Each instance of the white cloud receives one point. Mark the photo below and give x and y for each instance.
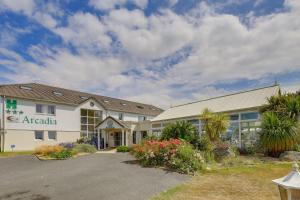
(25, 6)
(84, 29)
(223, 50)
(151, 38)
(111, 4)
(291, 87)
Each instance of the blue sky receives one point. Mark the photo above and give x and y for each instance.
(153, 51)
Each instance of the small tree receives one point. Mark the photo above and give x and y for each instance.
(278, 134)
(180, 130)
(280, 127)
(214, 124)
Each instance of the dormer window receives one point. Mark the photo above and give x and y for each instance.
(106, 101)
(57, 93)
(140, 107)
(25, 87)
(153, 109)
(123, 104)
(83, 97)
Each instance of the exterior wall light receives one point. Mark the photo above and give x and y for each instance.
(289, 186)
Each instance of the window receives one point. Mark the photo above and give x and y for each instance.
(39, 135)
(51, 110)
(39, 108)
(83, 97)
(234, 117)
(57, 93)
(144, 134)
(156, 125)
(89, 119)
(123, 104)
(134, 137)
(249, 116)
(52, 135)
(25, 87)
(140, 107)
(193, 121)
(121, 116)
(142, 118)
(106, 101)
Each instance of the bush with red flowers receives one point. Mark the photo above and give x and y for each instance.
(173, 153)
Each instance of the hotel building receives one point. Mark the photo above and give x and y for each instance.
(35, 114)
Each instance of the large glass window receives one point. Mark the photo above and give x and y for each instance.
(196, 123)
(249, 133)
(232, 133)
(249, 116)
(89, 120)
(234, 117)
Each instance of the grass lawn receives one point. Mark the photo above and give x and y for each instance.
(245, 181)
(15, 153)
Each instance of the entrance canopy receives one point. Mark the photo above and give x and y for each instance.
(112, 123)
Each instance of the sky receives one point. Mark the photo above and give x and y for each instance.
(161, 52)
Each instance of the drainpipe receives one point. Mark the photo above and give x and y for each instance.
(2, 131)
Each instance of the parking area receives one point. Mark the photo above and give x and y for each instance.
(96, 176)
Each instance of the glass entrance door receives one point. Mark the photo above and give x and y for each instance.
(118, 139)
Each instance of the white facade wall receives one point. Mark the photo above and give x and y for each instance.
(127, 116)
(21, 126)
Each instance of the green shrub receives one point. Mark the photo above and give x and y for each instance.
(204, 144)
(84, 148)
(278, 134)
(64, 154)
(247, 150)
(173, 154)
(208, 156)
(186, 160)
(123, 149)
(180, 130)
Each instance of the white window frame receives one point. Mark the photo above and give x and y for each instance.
(55, 135)
(43, 134)
(54, 109)
(42, 108)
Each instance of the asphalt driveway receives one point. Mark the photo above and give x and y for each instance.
(97, 176)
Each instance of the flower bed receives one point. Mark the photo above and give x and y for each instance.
(63, 151)
(173, 154)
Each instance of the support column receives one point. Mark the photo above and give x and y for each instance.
(123, 137)
(104, 138)
(98, 137)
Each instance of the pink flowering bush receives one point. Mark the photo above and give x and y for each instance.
(172, 153)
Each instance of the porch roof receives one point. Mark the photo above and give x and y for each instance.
(121, 123)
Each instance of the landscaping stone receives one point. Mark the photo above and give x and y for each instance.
(290, 156)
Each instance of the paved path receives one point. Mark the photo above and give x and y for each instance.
(97, 176)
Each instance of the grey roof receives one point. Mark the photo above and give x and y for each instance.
(43, 92)
(232, 102)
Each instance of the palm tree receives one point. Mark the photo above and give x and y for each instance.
(214, 124)
(278, 134)
(180, 130)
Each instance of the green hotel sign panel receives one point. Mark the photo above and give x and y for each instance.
(11, 104)
(15, 116)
